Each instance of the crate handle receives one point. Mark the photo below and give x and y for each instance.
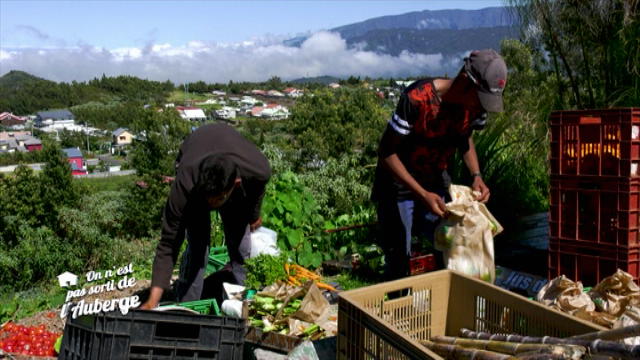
(398, 294)
(176, 330)
(587, 120)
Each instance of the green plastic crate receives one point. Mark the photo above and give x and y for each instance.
(204, 307)
(218, 258)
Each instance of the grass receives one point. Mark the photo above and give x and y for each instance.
(179, 97)
(110, 183)
(350, 281)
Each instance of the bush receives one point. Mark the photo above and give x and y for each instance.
(290, 210)
(340, 185)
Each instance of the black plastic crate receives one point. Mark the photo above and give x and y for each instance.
(154, 335)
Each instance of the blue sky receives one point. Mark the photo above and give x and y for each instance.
(193, 40)
(120, 23)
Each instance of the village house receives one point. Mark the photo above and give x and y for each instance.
(259, 92)
(256, 111)
(275, 112)
(122, 136)
(248, 101)
(191, 113)
(21, 141)
(334, 85)
(275, 93)
(75, 159)
(219, 93)
(226, 113)
(293, 92)
(56, 118)
(7, 119)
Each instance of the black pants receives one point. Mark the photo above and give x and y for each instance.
(398, 222)
(196, 257)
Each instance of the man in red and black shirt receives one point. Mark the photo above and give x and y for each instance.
(434, 118)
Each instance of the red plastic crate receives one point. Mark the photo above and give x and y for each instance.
(595, 210)
(596, 142)
(588, 263)
(420, 264)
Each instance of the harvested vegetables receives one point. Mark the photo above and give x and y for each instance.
(264, 312)
(27, 340)
(298, 275)
(264, 270)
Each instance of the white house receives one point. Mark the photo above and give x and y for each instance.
(275, 112)
(226, 113)
(62, 117)
(275, 93)
(218, 93)
(334, 85)
(248, 101)
(293, 92)
(67, 279)
(191, 113)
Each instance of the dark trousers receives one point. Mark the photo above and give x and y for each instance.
(196, 257)
(399, 221)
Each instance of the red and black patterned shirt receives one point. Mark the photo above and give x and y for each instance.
(425, 134)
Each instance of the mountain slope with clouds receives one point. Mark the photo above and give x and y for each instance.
(323, 53)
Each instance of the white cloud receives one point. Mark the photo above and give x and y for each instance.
(323, 53)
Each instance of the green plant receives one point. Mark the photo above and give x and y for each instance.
(264, 270)
(291, 211)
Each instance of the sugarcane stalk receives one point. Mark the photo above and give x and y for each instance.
(538, 356)
(596, 347)
(565, 351)
(459, 353)
(615, 334)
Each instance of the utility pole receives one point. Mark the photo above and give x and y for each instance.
(86, 131)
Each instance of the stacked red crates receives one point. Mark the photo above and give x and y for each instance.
(595, 194)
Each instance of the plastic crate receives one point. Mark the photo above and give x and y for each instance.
(204, 307)
(218, 258)
(421, 264)
(590, 264)
(592, 210)
(145, 334)
(370, 326)
(595, 142)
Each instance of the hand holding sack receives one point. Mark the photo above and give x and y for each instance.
(466, 236)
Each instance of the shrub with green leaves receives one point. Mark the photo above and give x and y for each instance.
(292, 212)
(264, 270)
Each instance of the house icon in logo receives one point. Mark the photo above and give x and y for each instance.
(67, 279)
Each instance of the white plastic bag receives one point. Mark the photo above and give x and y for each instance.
(264, 241)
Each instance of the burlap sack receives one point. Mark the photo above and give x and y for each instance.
(614, 293)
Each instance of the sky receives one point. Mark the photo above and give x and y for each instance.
(214, 41)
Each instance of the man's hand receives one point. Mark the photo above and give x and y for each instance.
(154, 298)
(256, 224)
(434, 202)
(479, 185)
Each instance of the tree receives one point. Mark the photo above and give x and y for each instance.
(591, 47)
(56, 182)
(153, 157)
(332, 123)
